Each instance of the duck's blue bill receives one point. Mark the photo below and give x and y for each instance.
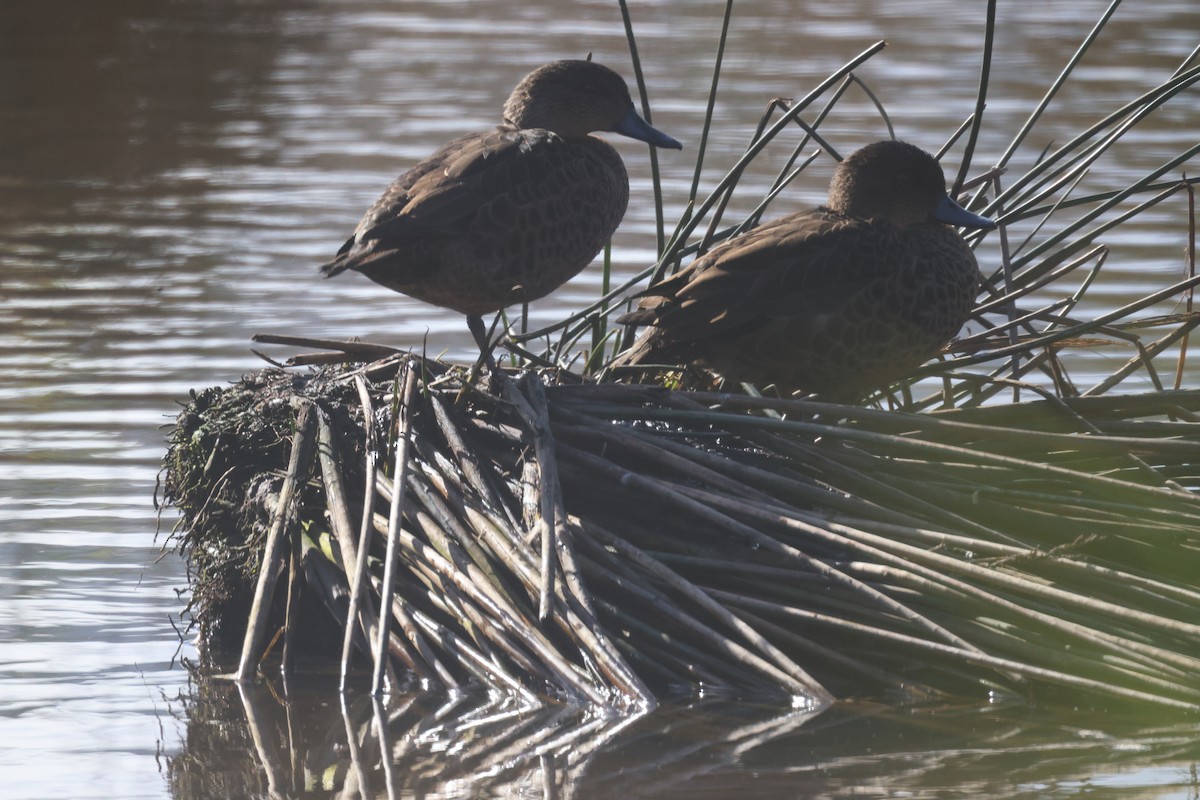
(952, 213)
(635, 127)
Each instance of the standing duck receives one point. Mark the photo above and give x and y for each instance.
(838, 300)
(507, 215)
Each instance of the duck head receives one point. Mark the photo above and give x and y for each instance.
(898, 182)
(575, 98)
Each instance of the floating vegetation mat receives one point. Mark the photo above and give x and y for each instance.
(608, 543)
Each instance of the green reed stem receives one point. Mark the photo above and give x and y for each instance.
(980, 99)
(655, 176)
(712, 102)
(1058, 83)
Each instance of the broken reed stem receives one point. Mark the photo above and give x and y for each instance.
(882, 548)
(557, 549)
(795, 677)
(678, 498)
(467, 461)
(548, 507)
(585, 624)
(1189, 298)
(719, 656)
(572, 604)
(447, 561)
(553, 511)
(291, 605)
(495, 618)
(945, 565)
(273, 553)
(1185, 598)
(1048, 646)
(361, 620)
(903, 446)
(403, 424)
(577, 599)
(980, 658)
(572, 611)
(479, 664)
(942, 567)
(359, 577)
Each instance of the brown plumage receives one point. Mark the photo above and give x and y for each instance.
(838, 300)
(507, 215)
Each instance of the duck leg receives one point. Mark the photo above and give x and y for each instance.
(480, 333)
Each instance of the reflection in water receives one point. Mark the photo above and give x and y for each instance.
(106, 109)
(254, 742)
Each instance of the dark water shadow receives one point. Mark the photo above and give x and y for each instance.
(260, 742)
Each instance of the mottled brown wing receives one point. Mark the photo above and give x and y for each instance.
(441, 196)
(783, 273)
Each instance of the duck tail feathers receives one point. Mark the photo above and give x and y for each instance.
(335, 267)
(644, 351)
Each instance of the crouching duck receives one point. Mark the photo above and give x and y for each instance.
(507, 215)
(838, 300)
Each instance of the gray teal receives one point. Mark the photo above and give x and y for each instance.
(507, 215)
(838, 300)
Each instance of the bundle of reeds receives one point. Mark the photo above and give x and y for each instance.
(563, 535)
(607, 542)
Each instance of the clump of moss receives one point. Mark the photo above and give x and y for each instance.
(226, 449)
(223, 469)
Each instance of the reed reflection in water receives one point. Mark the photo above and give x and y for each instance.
(250, 742)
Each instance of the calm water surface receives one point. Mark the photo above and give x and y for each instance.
(171, 173)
